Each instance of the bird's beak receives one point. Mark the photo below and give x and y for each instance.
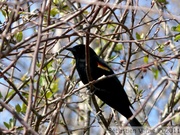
(70, 49)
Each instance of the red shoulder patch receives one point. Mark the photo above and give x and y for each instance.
(102, 67)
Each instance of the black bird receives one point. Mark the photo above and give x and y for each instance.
(108, 90)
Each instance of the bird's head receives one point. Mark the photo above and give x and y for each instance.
(79, 51)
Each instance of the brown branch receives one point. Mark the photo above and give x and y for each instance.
(16, 115)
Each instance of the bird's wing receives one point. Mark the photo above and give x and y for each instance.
(101, 64)
(106, 70)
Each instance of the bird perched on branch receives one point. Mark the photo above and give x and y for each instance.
(109, 89)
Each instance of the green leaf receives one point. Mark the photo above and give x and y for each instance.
(4, 13)
(155, 72)
(51, 70)
(138, 36)
(177, 37)
(176, 28)
(1, 95)
(118, 47)
(140, 93)
(73, 61)
(38, 64)
(97, 50)
(42, 81)
(136, 86)
(19, 36)
(6, 125)
(56, 2)
(161, 48)
(177, 119)
(173, 28)
(18, 108)
(11, 93)
(146, 58)
(24, 77)
(54, 12)
(54, 86)
(50, 64)
(85, 12)
(24, 108)
(49, 94)
(163, 1)
(11, 122)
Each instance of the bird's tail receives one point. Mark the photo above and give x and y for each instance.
(136, 125)
(135, 122)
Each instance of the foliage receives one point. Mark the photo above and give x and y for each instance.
(40, 89)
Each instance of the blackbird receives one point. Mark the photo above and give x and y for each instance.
(109, 90)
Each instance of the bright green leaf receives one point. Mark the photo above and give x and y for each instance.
(38, 64)
(6, 125)
(177, 119)
(11, 122)
(146, 58)
(24, 77)
(54, 86)
(51, 70)
(4, 13)
(138, 36)
(97, 50)
(173, 28)
(73, 61)
(11, 93)
(54, 12)
(136, 88)
(49, 94)
(177, 37)
(24, 108)
(140, 92)
(155, 72)
(163, 1)
(42, 81)
(176, 28)
(50, 64)
(161, 48)
(118, 47)
(18, 108)
(85, 12)
(56, 2)
(19, 36)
